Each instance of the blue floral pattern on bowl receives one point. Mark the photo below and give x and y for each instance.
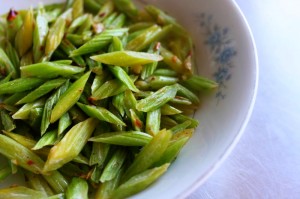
(221, 48)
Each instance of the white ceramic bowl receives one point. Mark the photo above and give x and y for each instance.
(225, 52)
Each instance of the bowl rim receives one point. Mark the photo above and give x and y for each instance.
(203, 178)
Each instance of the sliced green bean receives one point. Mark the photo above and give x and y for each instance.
(42, 90)
(77, 8)
(113, 166)
(55, 36)
(20, 192)
(49, 138)
(106, 9)
(13, 56)
(100, 113)
(69, 98)
(123, 77)
(139, 182)
(151, 153)
(24, 112)
(128, 7)
(169, 110)
(6, 65)
(153, 121)
(78, 188)
(199, 83)
(165, 72)
(127, 58)
(188, 94)
(136, 122)
(99, 41)
(125, 138)
(39, 35)
(21, 155)
(57, 181)
(5, 172)
(7, 121)
(27, 59)
(50, 102)
(71, 144)
(38, 183)
(180, 118)
(157, 99)
(50, 70)
(64, 122)
(68, 47)
(24, 37)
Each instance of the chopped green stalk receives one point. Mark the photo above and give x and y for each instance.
(13, 167)
(55, 36)
(109, 19)
(38, 183)
(157, 99)
(14, 98)
(92, 5)
(165, 72)
(24, 112)
(21, 155)
(13, 56)
(157, 82)
(169, 110)
(20, 192)
(39, 35)
(77, 23)
(23, 140)
(123, 77)
(118, 103)
(139, 26)
(7, 121)
(118, 22)
(42, 90)
(151, 153)
(27, 59)
(106, 9)
(4, 172)
(71, 144)
(153, 121)
(172, 151)
(50, 70)
(147, 37)
(113, 166)
(6, 65)
(99, 41)
(148, 69)
(79, 40)
(24, 36)
(180, 118)
(188, 94)
(128, 7)
(51, 101)
(77, 8)
(99, 153)
(100, 113)
(64, 122)
(105, 189)
(127, 58)
(172, 60)
(178, 100)
(78, 188)
(69, 98)
(6, 79)
(57, 181)
(108, 89)
(181, 127)
(49, 138)
(139, 182)
(20, 85)
(124, 138)
(68, 47)
(199, 83)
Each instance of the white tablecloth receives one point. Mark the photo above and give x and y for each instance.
(266, 162)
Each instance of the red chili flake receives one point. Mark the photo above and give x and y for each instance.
(174, 59)
(30, 162)
(138, 123)
(102, 14)
(12, 14)
(157, 46)
(91, 100)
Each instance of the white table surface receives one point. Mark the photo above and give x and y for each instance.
(266, 162)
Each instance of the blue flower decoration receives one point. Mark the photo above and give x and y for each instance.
(221, 48)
